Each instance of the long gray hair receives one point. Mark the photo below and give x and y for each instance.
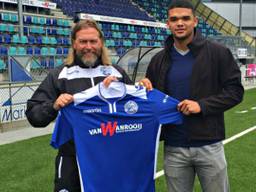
(85, 24)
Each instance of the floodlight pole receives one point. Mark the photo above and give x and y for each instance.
(20, 13)
(240, 17)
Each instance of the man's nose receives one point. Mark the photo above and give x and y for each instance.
(180, 22)
(87, 45)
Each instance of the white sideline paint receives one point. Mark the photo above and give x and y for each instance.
(238, 135)
(244, 111)
(161, 173)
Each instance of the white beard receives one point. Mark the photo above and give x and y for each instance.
(90, 62)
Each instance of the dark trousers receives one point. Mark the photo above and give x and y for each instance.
(66, 174)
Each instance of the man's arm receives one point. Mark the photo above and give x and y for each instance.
(40, 111)
(231, 89)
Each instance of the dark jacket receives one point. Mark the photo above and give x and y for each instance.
(215, 84)
(40, 111)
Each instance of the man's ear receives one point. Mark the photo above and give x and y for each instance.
(196, 21)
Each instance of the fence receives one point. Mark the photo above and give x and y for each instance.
(13, 98)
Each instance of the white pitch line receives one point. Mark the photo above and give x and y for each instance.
(161, 173)
(238, 135)
(244, 111)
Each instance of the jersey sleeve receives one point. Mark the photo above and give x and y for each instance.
(63, 131)
(165, 108)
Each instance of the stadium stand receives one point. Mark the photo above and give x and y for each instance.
(46, 34)
(115, 8)
(159, 10)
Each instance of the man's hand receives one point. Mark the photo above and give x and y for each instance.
(108, 80)
(63, 100)
(188, 107)
(143, 82)
(146, 83)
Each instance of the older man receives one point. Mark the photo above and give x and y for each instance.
(87, 64)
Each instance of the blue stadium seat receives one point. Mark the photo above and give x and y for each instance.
(157, 44)
(117, 43)
(42, 20)
(150, 43)
(51, 31)
(3, 51)
(26, 30)
(135, 43)
(35, 64)
(27, 19)
(59, 40)
(31, 39)
(12, 51)
(35, 19)
(52, 51)
(15, 39)
(30, 51)
(59, 51)
(21, 51)
(65, 50)
(66, 32)
(3, 27)
(45, 40)
(39, 40)
(154, 36)
(51, 63)
(48, 21)
(120, 51)
(52, 41)
(14, 18)
(33, 29)
(125, 34)
(11, 28)
(54, 31)
(6, 17)
(66, 23)
(140, 36)
(60, 31)
(40, 30)
(2, 65)
(37, 51)
(7, 38)
(23, 39)
(143, 43)
(60, 22)
(44, 51)
(54, 22)
(58, 62)
(66, 41)
(48, 31)
(44, 63)
(147, 36)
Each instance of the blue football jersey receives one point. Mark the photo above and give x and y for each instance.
(116, 132)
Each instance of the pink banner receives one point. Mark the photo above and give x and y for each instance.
(251, 70)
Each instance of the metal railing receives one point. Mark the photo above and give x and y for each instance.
(220, 23)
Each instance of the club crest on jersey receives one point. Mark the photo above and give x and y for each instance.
(131, 107)
(106, 70)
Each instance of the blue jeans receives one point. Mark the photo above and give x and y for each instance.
(181, 164)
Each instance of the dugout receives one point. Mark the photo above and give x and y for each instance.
(135, 61)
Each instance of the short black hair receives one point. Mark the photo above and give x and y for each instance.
(181, 4)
